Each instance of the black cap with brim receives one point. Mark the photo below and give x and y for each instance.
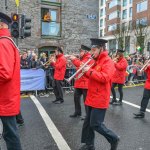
(5, 19)
(83, 47)
(120, 50)
(98, 42)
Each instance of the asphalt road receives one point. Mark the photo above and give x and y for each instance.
(39, 135)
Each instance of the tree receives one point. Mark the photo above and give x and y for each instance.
(122, 36)
(141, 32)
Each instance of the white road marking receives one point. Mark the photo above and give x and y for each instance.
(131, 104)
(58, 138)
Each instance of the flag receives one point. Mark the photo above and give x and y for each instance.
(17, 3)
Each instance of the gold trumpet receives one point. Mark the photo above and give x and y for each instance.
(81, 74)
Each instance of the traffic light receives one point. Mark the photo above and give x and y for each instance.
(15, 25)
(25, 30)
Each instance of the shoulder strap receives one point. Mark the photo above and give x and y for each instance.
(6, 37)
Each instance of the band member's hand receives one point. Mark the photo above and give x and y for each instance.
(85, 69)
(72, 57)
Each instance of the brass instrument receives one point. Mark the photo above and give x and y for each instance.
(84, 65)
(145, 65)
(82, 73)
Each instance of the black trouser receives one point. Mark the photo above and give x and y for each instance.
(120, 89)
(94, 121)
(145, 100)
(10, 133)
(58, 90)
(77, 98)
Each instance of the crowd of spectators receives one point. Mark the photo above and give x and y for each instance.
(30, 60)
(135, 63)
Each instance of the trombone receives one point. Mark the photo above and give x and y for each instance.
(81, 74)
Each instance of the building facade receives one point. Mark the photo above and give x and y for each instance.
(127, 15)
(55, 23)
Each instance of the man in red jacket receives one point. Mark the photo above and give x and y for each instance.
(9, 85)
(59, 73)
(119, 76)
(81, 84)
(146, 95)
(98, 96)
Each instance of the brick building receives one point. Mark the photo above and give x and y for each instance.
(128, 14)
(72, 23)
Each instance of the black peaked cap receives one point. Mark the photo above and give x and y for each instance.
(99, 42)
(5, 19)
(83, 47)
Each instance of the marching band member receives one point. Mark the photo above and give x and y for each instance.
(59, 73)
(81, 84)
(120, 64)
(9, 85)
(98, 95)
(146, 95)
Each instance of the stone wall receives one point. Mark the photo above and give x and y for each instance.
(77, 29)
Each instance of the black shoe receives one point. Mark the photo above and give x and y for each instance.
(114, 145)
(112, 102)
(139, 115)
(55, 101)
(58, 102)
(87, 147)
(75, 115)
(118, 103)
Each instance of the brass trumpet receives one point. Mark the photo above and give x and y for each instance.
(81, 74)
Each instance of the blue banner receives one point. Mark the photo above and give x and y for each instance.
(32, 79)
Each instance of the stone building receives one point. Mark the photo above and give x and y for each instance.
(72, 23)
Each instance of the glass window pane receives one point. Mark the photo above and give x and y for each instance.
(53, 15)
(141, 6)
(51, 28)
(130, 13)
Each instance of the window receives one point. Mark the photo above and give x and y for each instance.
(51, 24)
(101, 22)
(113, 15)
(130, 12)
(141, 6)
(142, 21)
(114, 3)
(101, 12)
(124, 3)
(101, 33)
(112, 27)
(131, 1)
(102, 2)
(124, 14)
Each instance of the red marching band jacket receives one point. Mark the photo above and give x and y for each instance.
(83, 81)
(147, 83)
(9, 76)
(120, 71)
(100, 75)
(60, 67)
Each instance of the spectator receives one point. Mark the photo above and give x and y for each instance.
(25, 62)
